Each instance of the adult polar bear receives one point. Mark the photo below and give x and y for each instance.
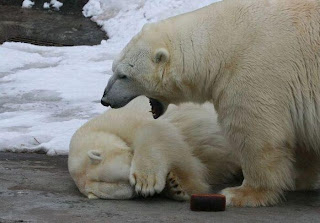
(258, 61)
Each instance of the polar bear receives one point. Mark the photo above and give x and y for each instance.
(184, 147)
(258, 62)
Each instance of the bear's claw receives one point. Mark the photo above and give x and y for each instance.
(174, 190)
(147, 184)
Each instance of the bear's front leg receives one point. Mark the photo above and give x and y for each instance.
(266, 158)
(156, 146)
(148, 172)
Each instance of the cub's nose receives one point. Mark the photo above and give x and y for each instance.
(104, 103)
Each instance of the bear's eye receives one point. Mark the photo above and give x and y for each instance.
(123, 76)
(131, 65)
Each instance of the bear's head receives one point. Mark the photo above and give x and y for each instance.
(102, 172)
(145, 67)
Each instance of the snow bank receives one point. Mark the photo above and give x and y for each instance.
(123, 19)
(27, 4)
(47, 93)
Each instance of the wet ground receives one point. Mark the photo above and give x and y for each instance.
(66, 27)
(38, 188)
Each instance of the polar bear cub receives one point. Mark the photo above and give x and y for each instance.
(111, 155)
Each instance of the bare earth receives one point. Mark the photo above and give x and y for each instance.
(38, 188)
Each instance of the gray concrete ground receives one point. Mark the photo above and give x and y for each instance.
(38, 188)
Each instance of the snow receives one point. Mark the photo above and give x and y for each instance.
(47, 93)
(46, 5)
(123, 19)
(56, 4)
(27, 4)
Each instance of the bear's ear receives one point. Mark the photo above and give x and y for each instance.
(161, 55)
(95, 156)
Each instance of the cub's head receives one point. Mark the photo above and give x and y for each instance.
(103, 171)
(144, 67)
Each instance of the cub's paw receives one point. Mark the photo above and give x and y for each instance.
(247, 196)
(174, 189)
(148, 180)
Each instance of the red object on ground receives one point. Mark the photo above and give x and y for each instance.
(208, 202)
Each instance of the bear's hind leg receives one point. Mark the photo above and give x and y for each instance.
(267, 173)
(183, 182)
(267, 164)
(174, 188)
(249, 196)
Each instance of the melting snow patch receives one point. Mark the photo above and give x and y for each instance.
(46, 5)
(27, 4)
(47, 93)
(56, 4)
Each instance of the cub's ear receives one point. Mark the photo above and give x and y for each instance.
(161, 55)
(95, 156)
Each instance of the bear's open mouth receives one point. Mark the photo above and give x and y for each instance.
(157, 109)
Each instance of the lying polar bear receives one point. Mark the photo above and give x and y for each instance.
(110, 152)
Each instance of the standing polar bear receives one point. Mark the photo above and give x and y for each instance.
(123, 144)
(258, 62)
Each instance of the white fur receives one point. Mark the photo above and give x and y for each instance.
(258, 62)
(127, 146)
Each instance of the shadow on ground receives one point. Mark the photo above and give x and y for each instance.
(38, 188)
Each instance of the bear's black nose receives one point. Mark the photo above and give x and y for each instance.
(104, 103)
